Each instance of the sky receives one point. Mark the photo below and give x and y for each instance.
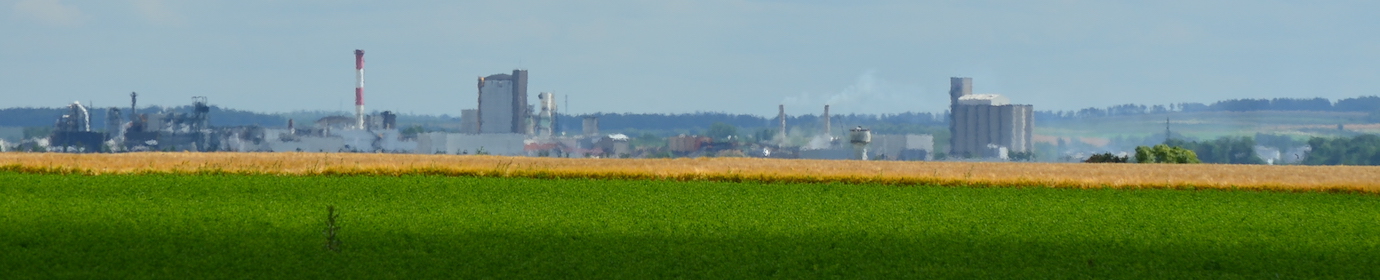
(673, 56)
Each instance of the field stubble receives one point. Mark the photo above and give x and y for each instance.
(1067, 175)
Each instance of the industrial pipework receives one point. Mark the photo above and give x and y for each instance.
(359, 89)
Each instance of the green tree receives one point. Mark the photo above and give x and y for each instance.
(1231, 150)
(647, 139)
(1359, 150)
(1145, 155)
(1106, 158)
(1165, 154)
(1022, 156)
(721, 131)
(412, 131)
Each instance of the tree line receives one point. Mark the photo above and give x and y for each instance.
(1370, 104)
(1357, 150)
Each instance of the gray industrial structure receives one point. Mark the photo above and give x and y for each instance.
(987, 125)
(505, 124)
(503, 103)
(469, 121)
(544, 122)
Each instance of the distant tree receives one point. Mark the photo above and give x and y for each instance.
(1360, 150)
(1165, 154)
(765, 134)
(1022, 156)
(411, 132)
(1298, 104)
(721, 131)
(648, 140)
(1240, 105)
(1358, 104)
(1278, 141)
(1107, 158)
(1230, 150)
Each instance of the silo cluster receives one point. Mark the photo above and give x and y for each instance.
(987, 125)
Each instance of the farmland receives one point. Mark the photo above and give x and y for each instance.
(419, 226)
(199, 215)
(1133, 176)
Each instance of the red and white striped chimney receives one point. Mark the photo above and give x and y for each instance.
(359, 88)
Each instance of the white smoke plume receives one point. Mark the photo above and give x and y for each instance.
(870, 94)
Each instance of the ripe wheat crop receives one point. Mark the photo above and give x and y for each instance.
(1065, 175)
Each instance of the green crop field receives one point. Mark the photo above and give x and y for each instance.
(242, 226)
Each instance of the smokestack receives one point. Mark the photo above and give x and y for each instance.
(133, 99)
(291, 130)
(359, 88)
(827, 132)
(781, 135)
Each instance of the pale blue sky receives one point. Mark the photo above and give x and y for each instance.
(671, 56)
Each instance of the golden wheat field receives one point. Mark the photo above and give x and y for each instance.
(1071, 175)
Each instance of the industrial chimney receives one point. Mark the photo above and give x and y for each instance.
(827, 132)
(781, 135)
(133, 100)
(359, 89)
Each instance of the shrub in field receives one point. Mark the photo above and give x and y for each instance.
(1165, 154)
(1107, 158)
(1022, 156)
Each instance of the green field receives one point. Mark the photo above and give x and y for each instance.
(237, 226)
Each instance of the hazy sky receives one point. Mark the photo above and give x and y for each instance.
(669, 56)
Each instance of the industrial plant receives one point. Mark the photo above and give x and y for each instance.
(504, 123)
(860, 144)
(987, 125)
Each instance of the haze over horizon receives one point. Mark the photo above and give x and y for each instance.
(684, 56)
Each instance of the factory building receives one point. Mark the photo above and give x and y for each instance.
(907, 147)
(987, 125)
(504, 144)
(503, 103)
(469, 121)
